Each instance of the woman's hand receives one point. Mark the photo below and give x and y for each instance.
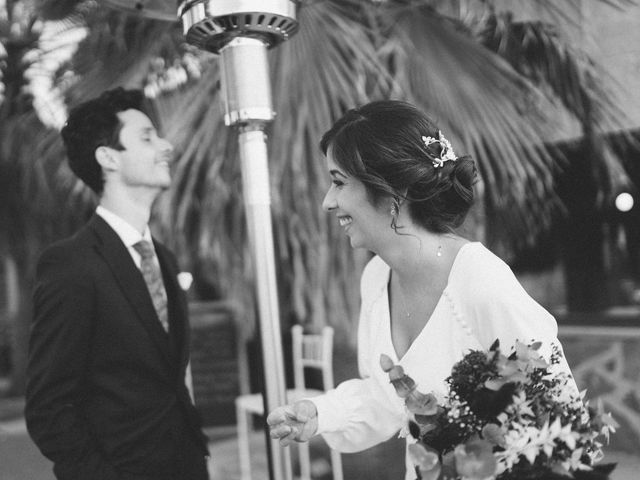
(298, 422)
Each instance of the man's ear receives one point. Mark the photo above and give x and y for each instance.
(107, 158)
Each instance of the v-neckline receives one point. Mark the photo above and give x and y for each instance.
(399, 358)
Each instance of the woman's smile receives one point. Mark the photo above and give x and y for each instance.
(345, 221)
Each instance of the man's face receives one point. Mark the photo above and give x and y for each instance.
(146, 158)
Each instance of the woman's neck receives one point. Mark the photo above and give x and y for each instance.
(420, 259)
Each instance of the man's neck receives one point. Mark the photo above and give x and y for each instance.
(135, 209)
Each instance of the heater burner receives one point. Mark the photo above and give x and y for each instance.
(211, 25)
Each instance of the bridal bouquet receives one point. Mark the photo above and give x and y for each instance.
(504, 418)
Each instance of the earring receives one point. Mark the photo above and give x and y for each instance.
(439, 252)
(394, 209)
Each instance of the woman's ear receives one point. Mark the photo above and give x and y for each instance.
(107, 158)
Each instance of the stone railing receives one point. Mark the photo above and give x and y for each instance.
(605, 359)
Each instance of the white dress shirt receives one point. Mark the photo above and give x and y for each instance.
(127, 233)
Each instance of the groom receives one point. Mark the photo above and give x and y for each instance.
(106, 396)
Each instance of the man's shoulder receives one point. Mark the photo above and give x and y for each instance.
(72, 246)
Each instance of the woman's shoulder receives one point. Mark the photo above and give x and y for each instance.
(375, 275)
(479, 272)
(476, 260)
(376, 266)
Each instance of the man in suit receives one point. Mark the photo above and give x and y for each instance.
(106, 396)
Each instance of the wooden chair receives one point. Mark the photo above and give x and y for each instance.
(309, 351)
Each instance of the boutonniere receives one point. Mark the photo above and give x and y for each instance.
(185, 279)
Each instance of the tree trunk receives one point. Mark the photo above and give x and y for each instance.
(583, 258)
(582, 242)
(19, 311)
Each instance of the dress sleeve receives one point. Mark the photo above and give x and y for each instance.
(356, 415)
(500, 308)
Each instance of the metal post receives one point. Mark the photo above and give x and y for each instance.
(253, 157)
(241, 31)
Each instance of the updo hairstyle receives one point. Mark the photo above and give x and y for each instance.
(381, 145)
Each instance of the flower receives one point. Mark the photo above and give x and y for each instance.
(185, 279)
(475, 460)
(426, 461)
(505, 417)
(493, 433)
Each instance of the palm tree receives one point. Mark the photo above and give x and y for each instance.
(39, 200)
(489, 81)
(495, 85)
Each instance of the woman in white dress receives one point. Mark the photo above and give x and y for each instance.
(428, 296)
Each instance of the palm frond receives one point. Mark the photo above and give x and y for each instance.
(331, 65)
(566, 12)
(492, 112)
(58, 10)
(118, 52)
(346, 53)
(538, 51)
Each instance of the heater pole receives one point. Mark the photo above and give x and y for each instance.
(241, 31)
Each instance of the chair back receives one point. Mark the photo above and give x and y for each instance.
(312, 351)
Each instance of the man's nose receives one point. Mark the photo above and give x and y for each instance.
(165, 145)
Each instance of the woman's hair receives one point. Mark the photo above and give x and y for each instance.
(385, 145)
(94, 124)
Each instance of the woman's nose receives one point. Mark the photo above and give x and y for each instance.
(329, 201)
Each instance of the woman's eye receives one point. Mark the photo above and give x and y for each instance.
(337, 183)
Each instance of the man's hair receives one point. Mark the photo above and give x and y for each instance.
(94, 124)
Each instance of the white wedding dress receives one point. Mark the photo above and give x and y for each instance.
(482, 301)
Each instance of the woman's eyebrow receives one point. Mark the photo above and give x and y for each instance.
(337, 173)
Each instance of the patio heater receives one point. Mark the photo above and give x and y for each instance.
(241, 31)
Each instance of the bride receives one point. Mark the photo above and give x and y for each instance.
(428, 295)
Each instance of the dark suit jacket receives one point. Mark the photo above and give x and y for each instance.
(106, 397)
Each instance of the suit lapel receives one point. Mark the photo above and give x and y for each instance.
(177, 303)
(130, 280)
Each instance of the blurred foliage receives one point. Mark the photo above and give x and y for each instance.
(496, 86)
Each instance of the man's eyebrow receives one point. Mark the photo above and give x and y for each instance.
(336, 173)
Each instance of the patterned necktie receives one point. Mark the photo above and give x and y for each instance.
(153, 277)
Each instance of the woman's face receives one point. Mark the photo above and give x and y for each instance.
(347, 198)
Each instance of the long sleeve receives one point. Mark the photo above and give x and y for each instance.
(355, 416)
(499, 308)
(363, 412)
(58, 353)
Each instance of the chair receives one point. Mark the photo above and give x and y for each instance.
(309, 351)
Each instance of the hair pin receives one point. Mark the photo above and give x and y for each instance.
(447, 151)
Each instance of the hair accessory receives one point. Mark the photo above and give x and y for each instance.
(447, 152)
